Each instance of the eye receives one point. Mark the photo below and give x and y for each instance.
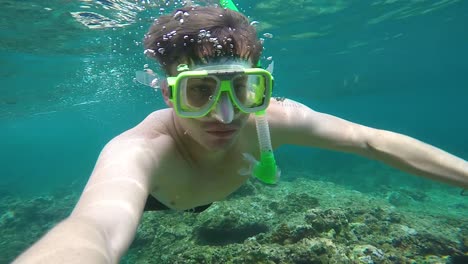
(239, 87)
(201, 86)
(240, 83)
(202, 89)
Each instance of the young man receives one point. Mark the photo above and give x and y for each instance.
(199, 149)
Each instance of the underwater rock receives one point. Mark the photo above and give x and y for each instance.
(294, 202)
(281, 224)
(399, 199)
(367, 254)
(426, 244)
(249, 188)
(232, 227)
(324, 220)
(462, 259)
(7, 218)
(416, 195)
(464, 238)
(26, 220)
(317, 250)
(285, 234)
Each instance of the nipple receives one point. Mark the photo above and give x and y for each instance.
(224, 110)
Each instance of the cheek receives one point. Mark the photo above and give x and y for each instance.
(187, 123)
(243, 118)
(191, 126)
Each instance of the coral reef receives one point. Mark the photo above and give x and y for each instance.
(295, 222)
(23, 221)
(306, 222)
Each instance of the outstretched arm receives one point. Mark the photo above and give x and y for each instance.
(295, 123)
(104, 222)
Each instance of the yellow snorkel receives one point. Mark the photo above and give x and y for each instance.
(266, 169)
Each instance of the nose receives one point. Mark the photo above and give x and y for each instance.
(224, 110)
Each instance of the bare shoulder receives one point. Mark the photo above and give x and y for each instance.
(134, 156)
(155, 124)
(146, 143)
(287, 113)
(294, 123)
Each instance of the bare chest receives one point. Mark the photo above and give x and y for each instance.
(187, 185)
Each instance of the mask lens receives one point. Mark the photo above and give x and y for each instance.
(198, 92)
(249, 89)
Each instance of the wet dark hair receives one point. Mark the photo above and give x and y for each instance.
(198, 35)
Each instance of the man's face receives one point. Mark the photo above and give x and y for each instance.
(220, 128)
(211, 133)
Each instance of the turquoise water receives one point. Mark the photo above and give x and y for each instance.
(66, 89)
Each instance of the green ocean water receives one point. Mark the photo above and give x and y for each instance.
(66, 89)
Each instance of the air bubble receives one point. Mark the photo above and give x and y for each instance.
(269, 58)
(161, 50)
(268, 35)
(148, 51)
(202, 34)
(254, 23)
(178, 15)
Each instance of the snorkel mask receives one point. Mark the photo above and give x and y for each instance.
(218, 89)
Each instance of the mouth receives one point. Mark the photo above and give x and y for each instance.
(222, 133)
(221, 130)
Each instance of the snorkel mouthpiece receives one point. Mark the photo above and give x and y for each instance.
(266, 170)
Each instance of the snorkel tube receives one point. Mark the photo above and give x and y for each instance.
(265, 170)
(228, 4)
